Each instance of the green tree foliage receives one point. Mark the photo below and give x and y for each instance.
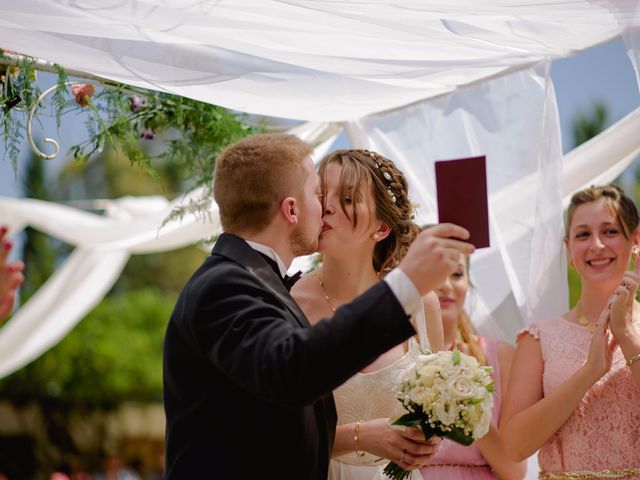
(588, 125)
(38, 253)
(113, 355)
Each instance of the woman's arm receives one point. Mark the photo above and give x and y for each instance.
(380, 439)
(433, 315)
(528, 417)
(491, 445)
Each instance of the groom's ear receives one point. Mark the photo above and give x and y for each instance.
(289, 210)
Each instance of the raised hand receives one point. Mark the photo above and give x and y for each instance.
(602, 346)
(434, 255)
(10, 277)
(622, 301)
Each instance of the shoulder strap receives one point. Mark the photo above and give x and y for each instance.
(420, 323)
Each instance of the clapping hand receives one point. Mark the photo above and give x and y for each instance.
(600, 354)
(622, 301)
(10, 276)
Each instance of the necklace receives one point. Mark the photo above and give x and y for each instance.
(582, 320)
(326, 295)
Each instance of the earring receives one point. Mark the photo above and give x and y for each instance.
(375, 236)
(634, 252)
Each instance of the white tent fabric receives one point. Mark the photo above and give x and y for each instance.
(335, 60)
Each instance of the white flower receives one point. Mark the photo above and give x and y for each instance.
(450, 390)
(462, 387)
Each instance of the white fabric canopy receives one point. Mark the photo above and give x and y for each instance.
(304, 59)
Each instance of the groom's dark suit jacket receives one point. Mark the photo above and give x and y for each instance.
(247, 382)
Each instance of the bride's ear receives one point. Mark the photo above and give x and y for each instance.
(381, 232)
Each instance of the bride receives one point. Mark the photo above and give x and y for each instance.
(367, 230)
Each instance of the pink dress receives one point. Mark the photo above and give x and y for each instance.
(457, 462)
(603, 433)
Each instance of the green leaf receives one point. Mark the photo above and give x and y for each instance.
(458, 436)
(456, 356)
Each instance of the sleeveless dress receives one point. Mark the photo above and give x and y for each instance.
(367, 396)
(603, 433)
(457, 462)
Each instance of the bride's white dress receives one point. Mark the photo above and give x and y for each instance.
(367, 396)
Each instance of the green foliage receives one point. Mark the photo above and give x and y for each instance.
(113, 355)
(588, 125)
(38, 251)
(192, 133)
(574, 287)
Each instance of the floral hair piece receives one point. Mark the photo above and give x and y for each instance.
(386, 176)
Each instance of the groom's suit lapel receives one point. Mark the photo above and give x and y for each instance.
(236, 249)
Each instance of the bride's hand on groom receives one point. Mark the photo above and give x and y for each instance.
(405, 446)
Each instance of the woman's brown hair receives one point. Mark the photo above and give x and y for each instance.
(390, 192)
(624, 208)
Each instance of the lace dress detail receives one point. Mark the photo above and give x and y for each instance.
(367, 396)
(603, 433)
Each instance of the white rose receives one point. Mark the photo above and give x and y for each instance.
(462, 387)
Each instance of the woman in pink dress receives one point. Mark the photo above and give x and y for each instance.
(574, 390)
(485, 458)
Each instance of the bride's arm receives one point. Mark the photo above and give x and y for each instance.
(380, 439)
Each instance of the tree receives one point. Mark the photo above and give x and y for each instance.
(588, 125)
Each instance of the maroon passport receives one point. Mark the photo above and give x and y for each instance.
(462, 196)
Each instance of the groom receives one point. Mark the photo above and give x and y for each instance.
(247, 381)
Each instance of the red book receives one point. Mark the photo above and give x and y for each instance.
(461, 186)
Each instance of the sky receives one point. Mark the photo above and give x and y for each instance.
(603, 73)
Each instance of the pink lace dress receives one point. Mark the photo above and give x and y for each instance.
(457, 462)
(603, 433)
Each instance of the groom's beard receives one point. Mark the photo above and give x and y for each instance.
(303, 243)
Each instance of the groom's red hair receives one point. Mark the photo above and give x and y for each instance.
(254, 175)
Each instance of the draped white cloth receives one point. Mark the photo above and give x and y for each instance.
(417, 80)
(335, 60)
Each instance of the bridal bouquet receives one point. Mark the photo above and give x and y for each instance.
(447, 394)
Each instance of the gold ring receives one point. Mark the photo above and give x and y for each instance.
(402, 457)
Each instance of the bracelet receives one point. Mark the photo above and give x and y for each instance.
(633, 360)
(359, 453)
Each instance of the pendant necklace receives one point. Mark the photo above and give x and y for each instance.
(582, 320)
(326, 296)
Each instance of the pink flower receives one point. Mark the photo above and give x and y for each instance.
(136, 103)
(82, 92)
(147, 134)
